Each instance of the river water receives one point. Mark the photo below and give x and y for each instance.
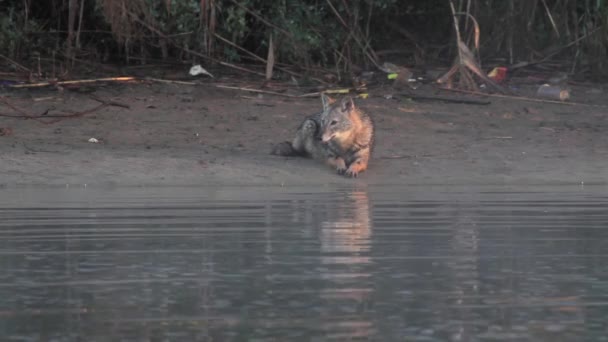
(304, 263)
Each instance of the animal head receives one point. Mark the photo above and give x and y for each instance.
(336, 120)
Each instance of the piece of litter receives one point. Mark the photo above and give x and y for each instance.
(93, 140)
(389, 68)
(498, 74)
(553, 92)
(294, 81)
(198, 70)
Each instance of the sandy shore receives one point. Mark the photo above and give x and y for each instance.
(201, 136)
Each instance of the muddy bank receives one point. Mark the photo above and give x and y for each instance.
(187, 135)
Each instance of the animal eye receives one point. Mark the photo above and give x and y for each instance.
(333, 122)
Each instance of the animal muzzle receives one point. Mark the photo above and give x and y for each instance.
(327, 137)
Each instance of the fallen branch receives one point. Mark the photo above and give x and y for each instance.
(8, 104)
(73, 115)
(25, 115)
(523, 98)
(255, 90)
(221, 86)
(54, 83)
(446, 99)
(109, 103)
(407, 156)
(160, 80)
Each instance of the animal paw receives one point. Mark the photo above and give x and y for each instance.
(354, 170)
(351, 173)
(339, 164)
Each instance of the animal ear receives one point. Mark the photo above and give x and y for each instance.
(327, 101)
(347, 104)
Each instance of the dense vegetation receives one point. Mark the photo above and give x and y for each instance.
(341, 35)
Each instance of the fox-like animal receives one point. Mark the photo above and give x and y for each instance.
(342, 135)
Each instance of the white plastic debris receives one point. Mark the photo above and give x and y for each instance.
(93, 140)
(389, 68)
(198, 70)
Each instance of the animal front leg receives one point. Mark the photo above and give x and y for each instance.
(359, 164)
(338, 163)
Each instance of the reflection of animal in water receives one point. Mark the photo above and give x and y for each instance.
(347, 227)
(346, 266)
(342, 135)
(344, 222)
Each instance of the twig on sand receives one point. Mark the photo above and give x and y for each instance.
(407, 156)
(74, 115)
(94, 80)
(499, 138)
(16, 109)
(254, 90)
(161, 80)
(109, 103)
(315, 94)
(446, 99)
(42, 117)
(523, 98)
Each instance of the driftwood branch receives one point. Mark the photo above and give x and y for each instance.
(446, 99)
(530, 99)
(43, 118)
(55, 83)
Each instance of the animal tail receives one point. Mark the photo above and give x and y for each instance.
(284, 149)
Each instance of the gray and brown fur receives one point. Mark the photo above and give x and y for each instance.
(342, 135)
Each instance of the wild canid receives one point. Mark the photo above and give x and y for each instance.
(342, 135)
